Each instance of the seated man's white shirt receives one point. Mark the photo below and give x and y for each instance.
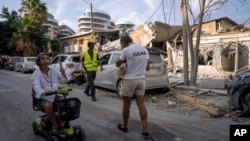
(50, 82)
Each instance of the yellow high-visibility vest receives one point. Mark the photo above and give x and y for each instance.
(91, 64)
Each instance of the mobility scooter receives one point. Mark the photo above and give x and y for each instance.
(66, 109)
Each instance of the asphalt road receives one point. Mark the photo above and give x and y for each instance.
(99, 119)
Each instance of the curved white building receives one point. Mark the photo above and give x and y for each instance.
(101, 21)
(51, 27)
(125, 25)
(65, 30)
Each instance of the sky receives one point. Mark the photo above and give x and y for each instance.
(136, 11)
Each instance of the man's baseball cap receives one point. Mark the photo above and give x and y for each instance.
(91, 43)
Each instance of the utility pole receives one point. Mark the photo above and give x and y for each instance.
(91, 16)
(91, 19)
(185, 45)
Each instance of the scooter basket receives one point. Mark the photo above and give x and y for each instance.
(68, 109)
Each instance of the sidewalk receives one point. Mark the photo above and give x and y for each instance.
(211, 91)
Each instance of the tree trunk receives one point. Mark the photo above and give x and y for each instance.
(190, 45)
(197, 44)
(185, 47)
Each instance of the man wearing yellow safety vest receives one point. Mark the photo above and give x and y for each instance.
(90, 62)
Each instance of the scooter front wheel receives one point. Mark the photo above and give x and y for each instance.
(79, 135)
(54, 138)
(35, 129)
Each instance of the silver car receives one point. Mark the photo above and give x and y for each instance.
(25, 64)
(70, 62)
(156, 77)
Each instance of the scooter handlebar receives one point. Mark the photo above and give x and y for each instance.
(63, 91)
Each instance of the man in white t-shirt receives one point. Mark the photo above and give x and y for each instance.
(136, 58)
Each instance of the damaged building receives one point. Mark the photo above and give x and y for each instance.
(224, 45)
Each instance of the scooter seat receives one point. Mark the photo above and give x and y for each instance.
(36, 103)
(37, 106)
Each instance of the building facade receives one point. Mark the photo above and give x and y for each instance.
(219, 25)
(78, 43)
(125, 25)
(51, 27)
(64, 30)
(101, 21)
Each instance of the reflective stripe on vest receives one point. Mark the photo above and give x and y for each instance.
(91, 65)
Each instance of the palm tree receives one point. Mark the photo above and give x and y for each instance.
(6, 44)
(35, 9)
(25, 36)
(29, 28)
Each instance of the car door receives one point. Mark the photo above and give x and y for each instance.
(101, 76)
(15, 60)
(75, 62)
(111, 71)
(19, 65)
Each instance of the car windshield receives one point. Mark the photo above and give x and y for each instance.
(31, 59)
(63, 58)
(114, 58)
(14, 60)
(155, 58)
(75, 59)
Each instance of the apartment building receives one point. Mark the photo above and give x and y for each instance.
(101, 21)
(125, 25)
(65, 30)
(51, 27)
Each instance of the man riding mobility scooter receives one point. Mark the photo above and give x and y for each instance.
(66, 109)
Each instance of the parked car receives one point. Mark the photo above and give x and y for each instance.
(70, 62)
(25, 64)
(239, 93)
(3, 60)
(156, 77)
(10, 65)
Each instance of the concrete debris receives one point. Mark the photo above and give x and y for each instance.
(171, 102)
(154, 99)
(198, 103)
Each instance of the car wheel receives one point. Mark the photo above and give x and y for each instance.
(247, 102)
(118, 87)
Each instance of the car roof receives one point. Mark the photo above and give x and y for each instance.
(29, 57)
(64, 54)
(16, 57)
(114, 51)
